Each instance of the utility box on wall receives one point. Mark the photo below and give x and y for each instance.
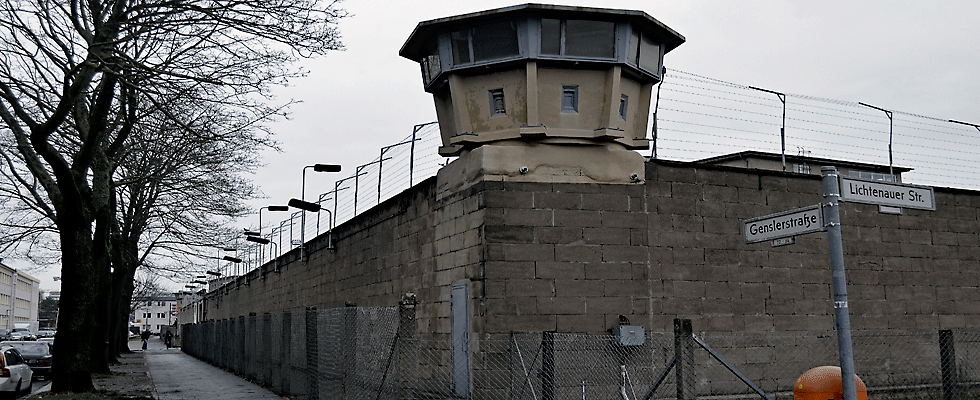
(628, 335)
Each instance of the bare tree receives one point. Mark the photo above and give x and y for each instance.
(176, 195)
(73, 79)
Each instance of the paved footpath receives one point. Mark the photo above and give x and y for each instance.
(178, 376)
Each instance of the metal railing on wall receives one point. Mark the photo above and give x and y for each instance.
(398, 167)
(696, 117)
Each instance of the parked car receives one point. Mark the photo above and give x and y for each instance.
(37, 355)
(15, 374)
(45, 333)
(4, 335)
(22, 334)
(48, 340)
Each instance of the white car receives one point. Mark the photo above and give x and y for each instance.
(15, 374)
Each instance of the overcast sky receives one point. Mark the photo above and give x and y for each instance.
(913, 56)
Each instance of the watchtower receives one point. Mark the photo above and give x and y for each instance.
(543, 93)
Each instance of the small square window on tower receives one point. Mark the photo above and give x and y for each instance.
(569, 99)
(624, 101)
(497, 106)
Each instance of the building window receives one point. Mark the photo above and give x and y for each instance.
(644, 52)
(623, 106)
(569, 99)
(578, 38)
(497, 106)
(485, 42)
(431, 68)
(801, 168)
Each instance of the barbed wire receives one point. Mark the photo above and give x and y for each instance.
(698, 117)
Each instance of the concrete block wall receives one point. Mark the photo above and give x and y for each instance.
(415, 242)
(574, 257)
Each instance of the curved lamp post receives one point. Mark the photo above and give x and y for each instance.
(257, 236)
(302, 224)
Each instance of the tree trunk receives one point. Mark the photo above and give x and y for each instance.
(122, 295)
(100, 336)
(71, 369)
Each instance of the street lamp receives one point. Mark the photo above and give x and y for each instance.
(302, 224)
(217, 270)
(257, 236)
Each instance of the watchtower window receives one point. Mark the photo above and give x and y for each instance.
(578, 38)
(569, 99)
(485, 42)
(497, 106)
(644, 52)
(623, 106)
(431, 68)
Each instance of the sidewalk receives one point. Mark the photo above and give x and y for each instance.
(174, 375)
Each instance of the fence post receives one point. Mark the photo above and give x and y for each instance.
(684, 352)
(312, 356)
(286, 351)
(405, 345)
(548, 366)
(947, 362)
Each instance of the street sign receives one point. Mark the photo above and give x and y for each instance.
(887, 194)
(785, 224)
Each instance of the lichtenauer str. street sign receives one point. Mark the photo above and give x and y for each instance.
(785, 224)
(887, 194)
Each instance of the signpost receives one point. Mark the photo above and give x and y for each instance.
(782, 227)
(887, 194)
(785, 224)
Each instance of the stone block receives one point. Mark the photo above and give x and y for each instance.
(521, 323)
(608, 305)
(591, 324)
(578, 288)
(689, 289)
(618, 219)
(558, 235)
(576, 218)
(527, 217)
(561, 305)
(604, 270)
(606, 235)
(509, 234)
(558, 201)
(529, 252)
(606, 202)
(559, 270)
(530, 287)
(577, 253)
(623, 253)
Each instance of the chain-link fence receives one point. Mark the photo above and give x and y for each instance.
(366, 353)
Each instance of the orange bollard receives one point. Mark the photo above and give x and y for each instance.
(824, 383)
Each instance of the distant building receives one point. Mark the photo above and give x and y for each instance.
(806, 165)
(19, 296)
(154, 313)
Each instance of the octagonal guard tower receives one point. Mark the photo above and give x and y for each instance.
(542, 93)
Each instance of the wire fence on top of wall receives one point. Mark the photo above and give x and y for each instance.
(696, 117)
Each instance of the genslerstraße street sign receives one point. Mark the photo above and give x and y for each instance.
(887, 193)
(785, 224)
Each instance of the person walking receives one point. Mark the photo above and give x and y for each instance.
(145, 335)
(168, 338)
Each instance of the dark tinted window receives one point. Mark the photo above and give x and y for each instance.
(461, 47)
(590, 38)
(495, 41)
(551, 36)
